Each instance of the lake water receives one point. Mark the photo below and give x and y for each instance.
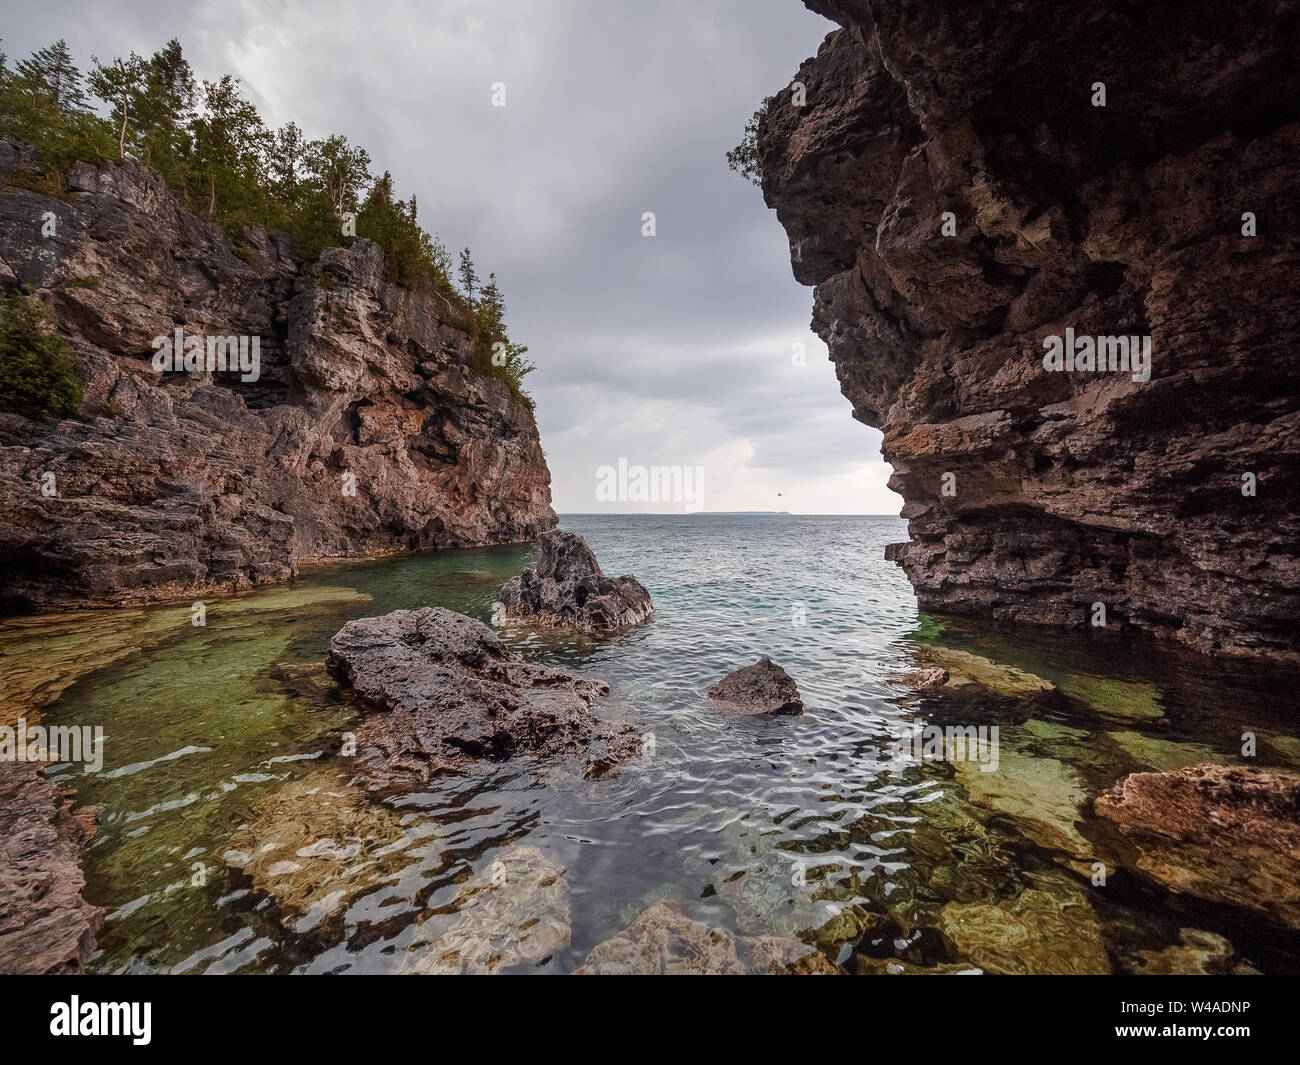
(216, 852)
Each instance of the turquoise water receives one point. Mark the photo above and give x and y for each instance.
(218, 741)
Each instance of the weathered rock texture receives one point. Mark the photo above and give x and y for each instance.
(567, 588)
(1070, 488)
(45, 924)
(171, 482)
(1230, 834)
(447, 693)
(763, 688)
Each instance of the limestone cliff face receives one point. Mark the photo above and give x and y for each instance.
(172, 483)
(1071, 488)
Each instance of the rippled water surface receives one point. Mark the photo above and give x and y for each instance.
(217, 853)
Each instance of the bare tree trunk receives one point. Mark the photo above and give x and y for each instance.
(121, 140)
(212, 203)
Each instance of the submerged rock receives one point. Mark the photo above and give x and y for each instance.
(1038, 932)
(1229, 834)
(933, 677)
(1164, 754)
(1197, 953)
(514, 911)
(567, 587)
(448, 693)
(868, 966)
(314, 844)
(966, 668)
(1040, 795)
(46, 926)
(664, 941)
(763, 688)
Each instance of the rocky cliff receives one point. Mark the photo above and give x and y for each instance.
(1105, 164)
(365, 431)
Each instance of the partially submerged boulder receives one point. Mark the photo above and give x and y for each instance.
(664, 941)
(763, 688)
(46, 926)
(449, 694)
(567, 588)
(1229, 834)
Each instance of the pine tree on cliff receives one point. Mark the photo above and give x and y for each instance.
(51, 73)
(468, 276)
(229, 139)
(165, 109)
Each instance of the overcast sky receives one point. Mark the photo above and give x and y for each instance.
(674, 350)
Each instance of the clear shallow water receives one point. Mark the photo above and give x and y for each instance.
(218, 741)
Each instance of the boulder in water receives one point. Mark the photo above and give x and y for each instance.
(567, 588)
(763, 688)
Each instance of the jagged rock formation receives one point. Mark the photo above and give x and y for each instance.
(170, 483)
(567, 588)
(46, 927)
(1230, 834)
(761, 688)
(1068, 488)
(446, 692)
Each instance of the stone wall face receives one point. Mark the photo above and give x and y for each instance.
(171, 482)
(1083, 487)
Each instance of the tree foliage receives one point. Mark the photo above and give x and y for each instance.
(743, 158)
(39, 376)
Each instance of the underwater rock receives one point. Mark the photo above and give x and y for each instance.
(966, 668)
(1164, 755)
(1197, 953)
(567, 588)
(921, 678)
(1110, 697)
(446, 693)
(763, 688)
(514, 911)
(1041, 795)
(46, 926)
(1229, 834)
(314, 844)
(868, 966)
(664, 941)
(1040, 931)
